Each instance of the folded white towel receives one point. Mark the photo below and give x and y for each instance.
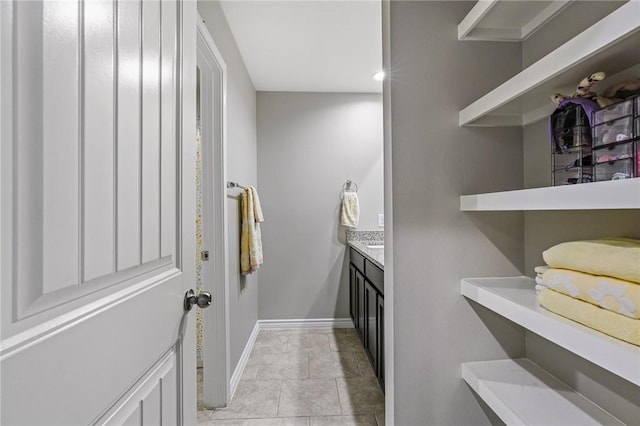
(350, 214)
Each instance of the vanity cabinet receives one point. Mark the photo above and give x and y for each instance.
(366, 308)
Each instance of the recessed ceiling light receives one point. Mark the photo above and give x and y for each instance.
(378, 76)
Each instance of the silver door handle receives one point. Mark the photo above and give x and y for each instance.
(203, 300)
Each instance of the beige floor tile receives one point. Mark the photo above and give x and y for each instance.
(250, 371)
(291, 421)
(253, 399)
(332, 364)
(366, 370)
(347, 342)
(270, 343)
(360, 420)
(293, 365)
(200, 374)
(380, 419)
(350, 330)
(311, 397)
(204, 416)
(325, 330)
(360, 395)
(310, 342)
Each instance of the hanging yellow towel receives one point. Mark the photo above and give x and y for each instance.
(250, 237)
(350, 214)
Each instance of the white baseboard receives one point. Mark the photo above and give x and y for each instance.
(242, 363)
(280, 325)
(288, 324)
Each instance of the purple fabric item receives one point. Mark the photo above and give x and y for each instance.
(587, 105)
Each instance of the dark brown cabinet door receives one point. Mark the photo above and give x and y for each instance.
(381, 341)
(353, 295)
(371, 327)
(366, 308)
(360, 304)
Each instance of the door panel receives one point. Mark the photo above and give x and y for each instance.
(129, 148)
(60, 145)
(168, 129)
(92, 275)
(151, 131)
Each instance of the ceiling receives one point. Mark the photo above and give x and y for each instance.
(309, 46)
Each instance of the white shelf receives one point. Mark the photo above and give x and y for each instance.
(610, 45)
(521, 393)
(515, 299)
(609, 195)
(499, 20)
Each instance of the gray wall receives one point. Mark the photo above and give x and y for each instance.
(434, 161)
(544, 229)
(309, 144)
(241, 167)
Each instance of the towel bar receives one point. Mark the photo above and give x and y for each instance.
(235, 185)
(347, 186)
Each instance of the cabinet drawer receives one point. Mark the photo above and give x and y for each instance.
(357, 259)
(375, 275)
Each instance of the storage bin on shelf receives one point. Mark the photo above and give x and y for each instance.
(613, 112)
(616, 148)
(571, 148)
(613, 131)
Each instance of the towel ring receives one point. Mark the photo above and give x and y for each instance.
(347, 186)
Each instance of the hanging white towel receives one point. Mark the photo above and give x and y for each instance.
(350, 214)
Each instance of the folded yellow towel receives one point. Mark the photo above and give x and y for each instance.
(602, 320)
(609, 293)
(250, 237)
(613, 257)
(350, 215)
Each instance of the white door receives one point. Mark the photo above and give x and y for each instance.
(97, 215)
(213, 83)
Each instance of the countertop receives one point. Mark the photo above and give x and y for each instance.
(375, 255)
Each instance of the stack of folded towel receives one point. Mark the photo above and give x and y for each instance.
(596, 283)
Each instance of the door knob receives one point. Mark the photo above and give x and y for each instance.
(203, 300)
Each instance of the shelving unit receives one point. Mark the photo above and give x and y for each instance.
(520, 392)
(515, 299)
(610, 45)
(499, 20)
(619, 194)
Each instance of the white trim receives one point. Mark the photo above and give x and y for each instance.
(242, 363)
(289, 324)
(217, 269)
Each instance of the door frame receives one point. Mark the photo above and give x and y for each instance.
(216, 333)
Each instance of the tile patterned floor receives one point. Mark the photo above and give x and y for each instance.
(319, 377)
